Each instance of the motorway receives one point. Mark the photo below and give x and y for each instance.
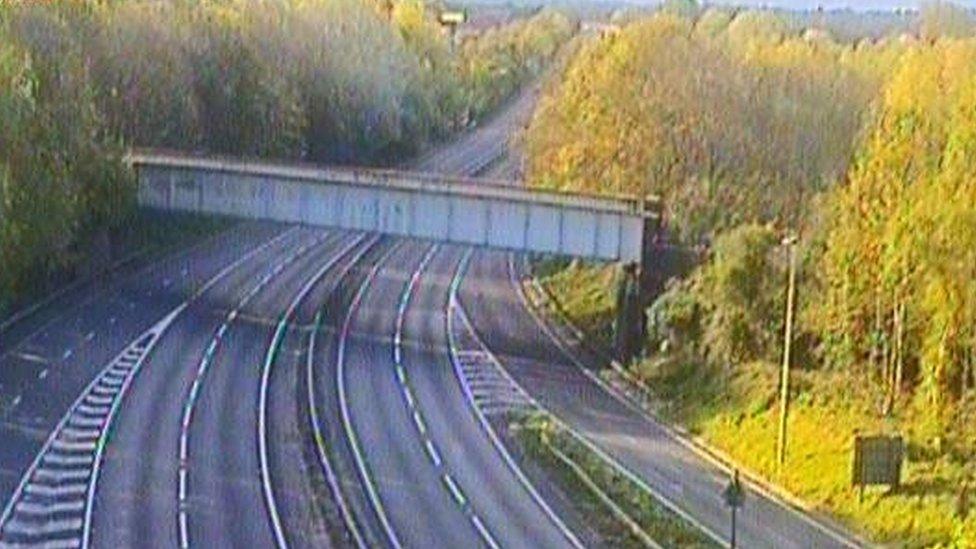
(288, 386)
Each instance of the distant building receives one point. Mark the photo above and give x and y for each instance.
(603, 29)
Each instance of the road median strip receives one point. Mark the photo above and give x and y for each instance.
(647, 522)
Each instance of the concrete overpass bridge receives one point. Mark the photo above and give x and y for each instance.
(456, 210)
(500, 215)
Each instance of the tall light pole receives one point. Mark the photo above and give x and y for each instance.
(784, 390)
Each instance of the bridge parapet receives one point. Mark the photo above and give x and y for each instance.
(450, 209)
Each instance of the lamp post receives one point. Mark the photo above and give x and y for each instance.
(784, 393)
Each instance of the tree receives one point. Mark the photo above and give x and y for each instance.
(942, 19)
(741, 290)
(681, 8)
(898, 261)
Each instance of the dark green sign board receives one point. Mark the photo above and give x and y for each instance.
(877, 460)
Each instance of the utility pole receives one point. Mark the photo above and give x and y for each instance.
(784, 393)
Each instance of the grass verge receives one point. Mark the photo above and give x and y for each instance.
(586, 293)
(623, 513)
(735, 412)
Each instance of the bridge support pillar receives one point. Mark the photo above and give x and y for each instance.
(639, 284)
(629, 325)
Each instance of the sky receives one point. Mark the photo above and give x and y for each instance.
(834, 4)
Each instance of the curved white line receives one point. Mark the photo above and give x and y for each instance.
(183, 532)
(344, 405)
(564, 426)
(432, 452)
(162, 325)
(671, 432)
(169, 255)
(635, 478)
(263, 390)
(323, 456)
(330, 475)
(157, 332)
(453, 303)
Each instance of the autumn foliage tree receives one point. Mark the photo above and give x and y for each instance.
(722, 117)
(348, 81)
(898, 266)
(750, 129)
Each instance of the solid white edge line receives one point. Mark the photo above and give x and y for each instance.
(563, 425)
(667, 502)
(173, 254)
(374, 498)
(842, 538)
(606, 499)
(320, 448)
(263, 390)
(347, 515)
(188, 407)
(164, 325)
(454, 303)
(418, 420)
(18, 492)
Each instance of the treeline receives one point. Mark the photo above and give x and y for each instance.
(348, 81)
(897, 270)
(727, 119)
(752, 133)
(749, 134)
(500, 60)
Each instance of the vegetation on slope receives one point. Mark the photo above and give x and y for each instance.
(349, 81)
(623, 513)
(752, 132)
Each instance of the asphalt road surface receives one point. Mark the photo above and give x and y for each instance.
(289, 386)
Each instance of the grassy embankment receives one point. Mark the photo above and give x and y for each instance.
(738, 416)
(751, 131)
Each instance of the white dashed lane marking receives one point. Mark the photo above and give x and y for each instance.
(203, 367)
(431, 448)
(489, 390)
(48, 509)
(31, 357)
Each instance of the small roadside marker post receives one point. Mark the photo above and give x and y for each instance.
(735, 496)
